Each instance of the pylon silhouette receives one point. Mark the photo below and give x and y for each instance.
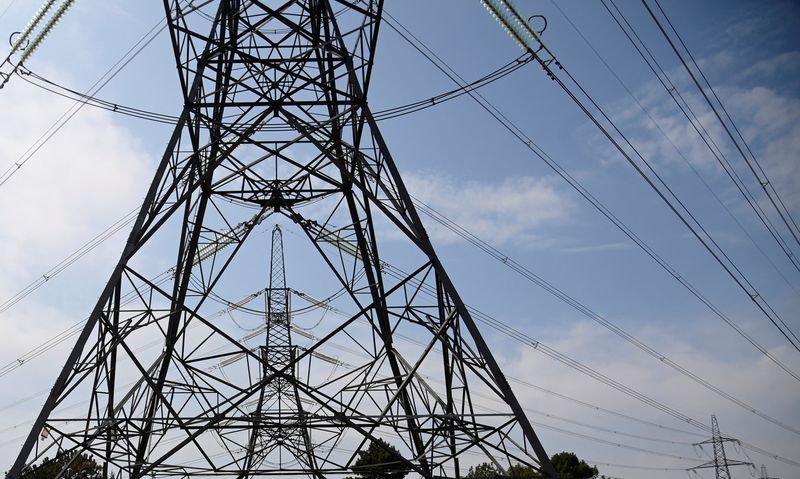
(764, 474)
(276, 126)
(720, 463)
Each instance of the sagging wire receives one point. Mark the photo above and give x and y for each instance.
(51, 86)
(511, 20)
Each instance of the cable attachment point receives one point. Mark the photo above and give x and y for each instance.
(538, 17)
(12, 39)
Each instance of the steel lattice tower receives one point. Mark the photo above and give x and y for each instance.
(279, 401)
(720, 463)
(764, 474)
(276, 125)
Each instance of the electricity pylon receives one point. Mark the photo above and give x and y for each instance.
(279, 400)
(276, 125)
(764, 474)
(720, 463)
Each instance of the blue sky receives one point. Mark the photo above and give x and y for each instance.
(458, 160)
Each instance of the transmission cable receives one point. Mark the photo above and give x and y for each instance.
(760, 175)
(654, 180)
(98, 85)
(323, 303)
(69, 260)
(426, 288)
(522, 137)
(562, 296)
(683, 105)
(395, 112)
(526, 273)
(678, 150)
(523, 338)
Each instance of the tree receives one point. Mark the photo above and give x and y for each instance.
(518, 471)
(566, 464)
(82, 467)
(381, 460)
(486, 470)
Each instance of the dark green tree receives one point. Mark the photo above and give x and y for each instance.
(566, 464)
(83, 467)
(522, 472)
(486, 470)
(381, 460)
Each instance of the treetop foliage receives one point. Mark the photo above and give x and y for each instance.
(566, 464)
(380, 460)
(81, 467)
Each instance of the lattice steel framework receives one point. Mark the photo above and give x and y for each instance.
(764, 474)
(276, 126)
(720, 463)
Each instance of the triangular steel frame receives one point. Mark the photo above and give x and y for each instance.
(276, 125)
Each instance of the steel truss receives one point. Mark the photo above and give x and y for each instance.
(720, 463)
(172, 390)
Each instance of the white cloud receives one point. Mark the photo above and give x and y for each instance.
(747, 377)
(598, 248)
(768, 118)
(86, 177)
(772, 126)
(513, 209)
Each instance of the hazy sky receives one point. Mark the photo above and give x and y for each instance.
(458, 160)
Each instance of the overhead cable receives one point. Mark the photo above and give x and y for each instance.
(697, 125)
(523, 138)
(646, 171)
(395, 112)
(98, 85)
(526, 273)
(675, 147)
(524, 339)
(749, 158)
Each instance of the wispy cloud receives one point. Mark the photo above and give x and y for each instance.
(767, 115)
(597, 248)
(740, 374)
(512, 209)
(86, 177)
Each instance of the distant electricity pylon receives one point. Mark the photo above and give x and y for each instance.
(764, 474)
(720, 463)
(276, 126)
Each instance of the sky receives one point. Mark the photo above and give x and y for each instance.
(457, 159)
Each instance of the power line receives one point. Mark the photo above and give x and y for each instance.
(588, 312)
(69, 260)
(523, 138)
(676, 96)
(383, 115)
(524, 339)
(44, 83)
(653, 179)
(760, 175)
(98, 85)
(7, 8)
(323, 304)
(633, 466)
(675, 147)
